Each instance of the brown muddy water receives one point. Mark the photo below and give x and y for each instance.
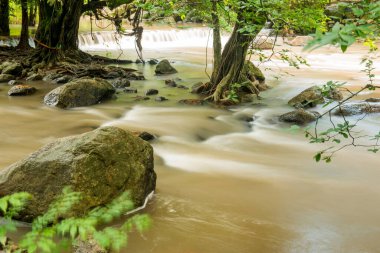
(225, 185)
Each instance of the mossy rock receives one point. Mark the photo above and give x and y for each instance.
(299, 117)
(101, 164)
(80, 92)
(164, 68)
(313, 96)
(13, 69)
(252, 72)
(308, 98)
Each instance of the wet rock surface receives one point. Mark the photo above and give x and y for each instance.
(299, 117)
(21, 90)
(101, 164)
(81, 92)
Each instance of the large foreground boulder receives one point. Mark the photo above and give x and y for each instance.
(101, 164)
(81, 92)
(164, 68)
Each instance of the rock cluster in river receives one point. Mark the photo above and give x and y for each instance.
(101, 164)
(308, 98)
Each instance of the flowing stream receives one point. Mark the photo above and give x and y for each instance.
(225, 184)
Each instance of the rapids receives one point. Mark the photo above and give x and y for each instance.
(225, 184)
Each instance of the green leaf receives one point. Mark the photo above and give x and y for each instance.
(318, 156)
(4, 204)
(357, 12)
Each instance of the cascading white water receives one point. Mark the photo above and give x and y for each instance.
(152, 39)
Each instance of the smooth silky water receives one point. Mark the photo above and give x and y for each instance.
(226, 185)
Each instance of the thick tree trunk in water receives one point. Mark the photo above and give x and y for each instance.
(232, 62)
(217, 43)
(4, 18)
(57, 32)
(24, 37)
(233, 59)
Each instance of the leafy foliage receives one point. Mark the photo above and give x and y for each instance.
(365, 24)
(55, 230)
(346, 133)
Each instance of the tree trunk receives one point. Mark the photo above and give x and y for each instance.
(33, 13)
(57, 32)
(217, 43)
(24, 37)
(4, 18)
(233, 57)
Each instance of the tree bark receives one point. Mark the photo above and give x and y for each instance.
(24, 37)
(33, 13)
(217, 43)
(4, 18)
(57, 32)
(233, 57)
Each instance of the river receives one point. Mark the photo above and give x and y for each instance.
(225, 184)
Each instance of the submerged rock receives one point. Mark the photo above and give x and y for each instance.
(181, 86)
(101, 164)
(161, 99)
(120, 83)
(146, 136)
(141, 98)
(299, 117)
(192, 102)
(356, 108)
(198, 88)
(164, 68)
(130, 90)
(81, 92)
(153, 61)
(170, 83)
(151, 92)
(21, 90)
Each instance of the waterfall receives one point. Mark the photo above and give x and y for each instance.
(152, 39)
